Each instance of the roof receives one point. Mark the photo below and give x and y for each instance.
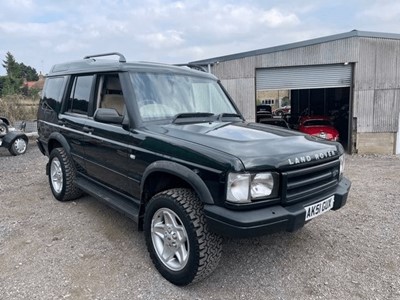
(330, 38)
(91, 65)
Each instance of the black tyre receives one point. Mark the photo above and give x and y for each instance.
(177, 238)
(62, 174)
(19, 146)
(3, 128)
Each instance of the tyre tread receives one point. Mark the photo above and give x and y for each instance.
(209, 243)
(71, 190)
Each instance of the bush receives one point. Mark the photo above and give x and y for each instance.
(19, 108)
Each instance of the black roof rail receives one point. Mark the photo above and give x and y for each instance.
(122, 58)
(193, 66)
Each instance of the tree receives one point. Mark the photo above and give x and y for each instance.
(2, 80)
(11, 66)
(10, 86)
(28, 72)
(16, 74)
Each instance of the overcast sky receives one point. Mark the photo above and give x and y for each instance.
(40, 33)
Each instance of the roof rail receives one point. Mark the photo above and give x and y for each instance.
(193, 66)
(122, 58)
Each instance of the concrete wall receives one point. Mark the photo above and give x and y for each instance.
(378, 143)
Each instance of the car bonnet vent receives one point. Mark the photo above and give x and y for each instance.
(122, 58)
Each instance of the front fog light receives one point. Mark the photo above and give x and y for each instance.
(238, 188)
(262, 185)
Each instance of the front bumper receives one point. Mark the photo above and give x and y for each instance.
(267, 220)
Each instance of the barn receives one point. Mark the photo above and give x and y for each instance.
(352, 77)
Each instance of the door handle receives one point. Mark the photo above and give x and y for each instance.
(87, 129)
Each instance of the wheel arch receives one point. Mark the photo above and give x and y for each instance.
(56, 140)
(168, 175)
(183, 173)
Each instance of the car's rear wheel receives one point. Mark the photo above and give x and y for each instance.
(62, 175)
(178, 240)
(3, 128)
(19, 146)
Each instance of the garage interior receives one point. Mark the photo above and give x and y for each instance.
(331, 102)
(310, 90)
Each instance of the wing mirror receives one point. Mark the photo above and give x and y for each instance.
(108, 115)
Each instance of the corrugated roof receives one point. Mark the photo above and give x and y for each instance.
(330, 38)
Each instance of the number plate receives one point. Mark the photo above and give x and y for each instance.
(319, 208)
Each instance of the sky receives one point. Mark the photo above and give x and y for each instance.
(41, 33)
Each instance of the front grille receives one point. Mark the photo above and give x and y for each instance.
(301, 184)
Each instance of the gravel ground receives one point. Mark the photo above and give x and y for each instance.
(85, 250)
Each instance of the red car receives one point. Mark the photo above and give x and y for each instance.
(320, 126)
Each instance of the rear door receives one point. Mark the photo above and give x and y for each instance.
(76, 109)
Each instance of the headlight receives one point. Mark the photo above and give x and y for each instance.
(341, 160)
(244, 187)
(262, 185)
(238, 188)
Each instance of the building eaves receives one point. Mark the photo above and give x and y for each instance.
(325, 39)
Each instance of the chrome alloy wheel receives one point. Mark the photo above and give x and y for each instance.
(20, 145)
(56, 175)
(170, 239)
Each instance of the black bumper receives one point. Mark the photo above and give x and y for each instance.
(270, 219)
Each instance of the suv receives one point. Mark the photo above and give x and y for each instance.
(167, 146)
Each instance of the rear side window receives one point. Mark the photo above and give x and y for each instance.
(79, 98)
(53, 92)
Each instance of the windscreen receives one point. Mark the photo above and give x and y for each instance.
(163, 96)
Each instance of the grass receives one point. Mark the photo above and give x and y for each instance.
(19, 108)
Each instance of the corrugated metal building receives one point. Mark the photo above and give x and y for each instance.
(353, 76)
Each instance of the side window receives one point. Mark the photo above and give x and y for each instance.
(111, 93)
(79, 98)
(53, 92)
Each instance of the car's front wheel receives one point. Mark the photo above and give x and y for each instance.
(62, 174)
(178, 240)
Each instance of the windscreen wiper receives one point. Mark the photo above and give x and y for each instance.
(202, 117)
(199, 117)
(229, 117)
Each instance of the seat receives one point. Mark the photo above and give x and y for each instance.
(113, 97)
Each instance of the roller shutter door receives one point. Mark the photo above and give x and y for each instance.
(304, 77)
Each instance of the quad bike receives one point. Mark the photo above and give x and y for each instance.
(14, 140)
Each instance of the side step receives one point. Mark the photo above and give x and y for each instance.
(128, 206)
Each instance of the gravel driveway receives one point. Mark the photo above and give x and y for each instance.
(85, 250)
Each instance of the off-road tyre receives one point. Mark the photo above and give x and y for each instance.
(62, 173)
(204, 247)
